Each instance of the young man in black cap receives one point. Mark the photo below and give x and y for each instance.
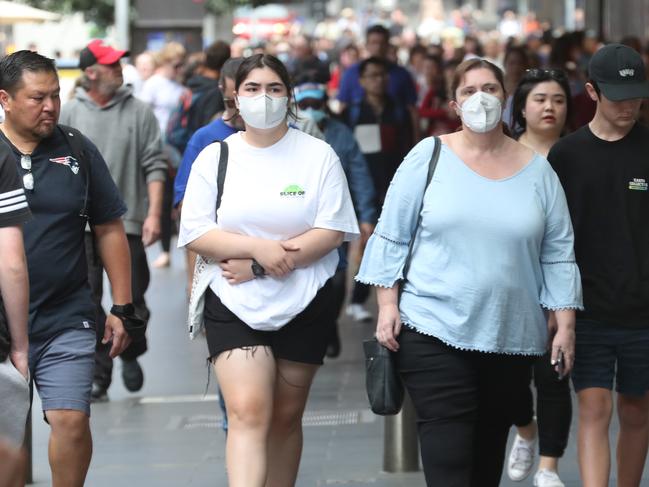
(604, 169)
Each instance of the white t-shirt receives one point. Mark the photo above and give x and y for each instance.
(163, 95)
(276, 192)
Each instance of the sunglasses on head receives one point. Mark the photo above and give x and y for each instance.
(549, 74)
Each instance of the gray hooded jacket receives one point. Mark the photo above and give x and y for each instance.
(127, 134)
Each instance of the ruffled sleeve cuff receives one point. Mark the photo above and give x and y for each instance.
(383, 261)
(561, 286)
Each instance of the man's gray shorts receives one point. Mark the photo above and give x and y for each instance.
(14, 403)
(62, 368)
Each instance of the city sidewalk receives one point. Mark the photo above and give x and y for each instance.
(168, 435)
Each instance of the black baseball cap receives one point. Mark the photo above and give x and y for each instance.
(619, 73)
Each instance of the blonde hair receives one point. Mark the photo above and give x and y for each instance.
(172, 51)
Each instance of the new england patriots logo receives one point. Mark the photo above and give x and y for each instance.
(69, 161)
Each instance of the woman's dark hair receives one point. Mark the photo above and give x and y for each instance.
(479, 50)
(530, 79)
(470, 65)
(520, 51)
(564, 49)
(441, 89)
(258, 61)
(14, 65)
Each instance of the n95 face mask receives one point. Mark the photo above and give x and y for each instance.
(481, 112)
(316, 115)
(263, 111)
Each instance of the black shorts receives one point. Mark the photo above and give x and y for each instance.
(303, 339)
(605, 353)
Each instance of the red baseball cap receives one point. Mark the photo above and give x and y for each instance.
(99, 53)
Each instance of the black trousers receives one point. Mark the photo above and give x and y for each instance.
(339, 288)
(360, 293)
(463, 405)
(166, 221)
(139, 283)
(553, 408)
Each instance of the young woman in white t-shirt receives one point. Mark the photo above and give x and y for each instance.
(285, 209)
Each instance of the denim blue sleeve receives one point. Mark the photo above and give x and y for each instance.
(357, 171)
(180, 183)
(361, 184)
(387, 248)
(561, 279)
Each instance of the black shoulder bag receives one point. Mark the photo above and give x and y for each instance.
(382, 382)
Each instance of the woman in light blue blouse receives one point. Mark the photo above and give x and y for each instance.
(493, 249)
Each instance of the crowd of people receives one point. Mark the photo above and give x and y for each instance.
(287, 166)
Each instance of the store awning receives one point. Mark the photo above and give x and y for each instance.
(13, 13)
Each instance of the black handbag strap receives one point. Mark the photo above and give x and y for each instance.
(220, 177)
(432, 164)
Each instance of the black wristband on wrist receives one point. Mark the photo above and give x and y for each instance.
(120, 310)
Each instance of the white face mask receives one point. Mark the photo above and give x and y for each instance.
(263, 111)
(481, 112)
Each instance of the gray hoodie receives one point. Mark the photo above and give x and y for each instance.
(128, 136)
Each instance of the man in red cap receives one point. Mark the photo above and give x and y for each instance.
(96, 52)
(604, 169)
(127, 134)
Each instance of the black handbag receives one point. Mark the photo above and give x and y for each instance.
(382, 382)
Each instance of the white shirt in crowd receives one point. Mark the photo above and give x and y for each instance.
(163, 95)
(276, 192)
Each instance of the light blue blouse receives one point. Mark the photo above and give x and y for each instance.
(489, 254)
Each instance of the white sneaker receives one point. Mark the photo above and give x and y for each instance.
(358, 312)
(547, 478)
(521, 459)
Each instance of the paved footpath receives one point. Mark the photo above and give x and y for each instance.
(168, 434)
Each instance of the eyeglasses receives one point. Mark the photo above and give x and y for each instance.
(549, 74)
(26, 164)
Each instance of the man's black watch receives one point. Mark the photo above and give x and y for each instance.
(133, 324)
(257, 269)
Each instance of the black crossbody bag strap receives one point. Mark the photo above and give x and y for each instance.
(432, 165)
(220, 177)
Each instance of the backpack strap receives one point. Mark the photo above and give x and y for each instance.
(220, 177)
(75, 142)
